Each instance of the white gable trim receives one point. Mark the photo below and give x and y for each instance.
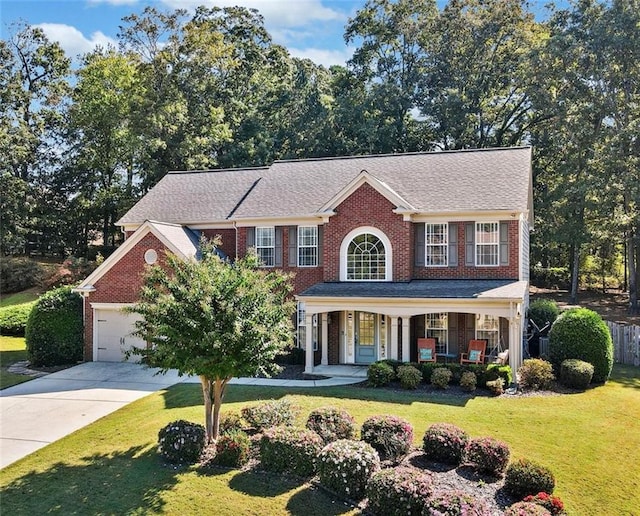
(362, 178)
(146, 228)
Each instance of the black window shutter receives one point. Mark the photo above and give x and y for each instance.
(419, 245)
(251, 237)
(320, 244)
(469, 243)
(278, 249)
(293, 246)
(453, 245)
(504, 243)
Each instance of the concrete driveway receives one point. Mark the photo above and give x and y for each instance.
(36, 413)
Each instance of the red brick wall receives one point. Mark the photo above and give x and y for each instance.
(228, 240)
(366, 207)
(462, 271)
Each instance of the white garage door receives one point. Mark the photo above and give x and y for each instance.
(113, 335)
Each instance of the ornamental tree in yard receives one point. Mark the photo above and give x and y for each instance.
(214, 319)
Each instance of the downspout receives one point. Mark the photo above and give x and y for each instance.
(235, 227)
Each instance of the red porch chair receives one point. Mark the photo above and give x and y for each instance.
(475, 353)
(426, 350)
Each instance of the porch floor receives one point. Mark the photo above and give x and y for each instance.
(341, 371)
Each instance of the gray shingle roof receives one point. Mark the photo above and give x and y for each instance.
(438, 182)
(422, 289)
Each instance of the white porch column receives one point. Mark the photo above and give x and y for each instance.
(515, 344)
(405, 339)
(393, 355)
(325, 338)
(308, 362)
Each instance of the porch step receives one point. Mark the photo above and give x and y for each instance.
(341, 371)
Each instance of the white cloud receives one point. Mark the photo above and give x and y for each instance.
(277, 13)
(323, 56)
(72, 40)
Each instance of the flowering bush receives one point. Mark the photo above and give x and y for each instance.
(380, 374)
(390, 436)
(399, 491)
(441, 377)
(455, 503)
(345, 467)
(535, 374)
(552, 503)
(576, 374)
(232, 449)
(444, 442)
(331, 423)
(525, 477)
(496, 387)
(230, 421)
(468, 381)
(181, 442)
(409, 377)
(526, 509)
(488, 455)
(269, 413)
(290, 449)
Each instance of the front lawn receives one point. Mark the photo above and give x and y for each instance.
(12, 350)
(590, 441)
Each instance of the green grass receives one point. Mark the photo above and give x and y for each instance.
(590, 440)
(19, 298)
(12, 350)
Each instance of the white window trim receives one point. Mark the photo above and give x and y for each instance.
(490, 347)
(316, 247)
(434, 329)
(344, 247)
(301, 323)
(444, 245)
(273, 247)
(482, 244)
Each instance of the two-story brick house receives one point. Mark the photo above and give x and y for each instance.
(385, 249)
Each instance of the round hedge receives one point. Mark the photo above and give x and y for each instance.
(542, 311)
(581, 333)
(54, 329)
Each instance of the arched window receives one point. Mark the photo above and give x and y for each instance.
(366, 256)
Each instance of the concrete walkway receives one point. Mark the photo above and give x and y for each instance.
(38, 412)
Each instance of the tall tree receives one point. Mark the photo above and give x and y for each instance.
(216, 320)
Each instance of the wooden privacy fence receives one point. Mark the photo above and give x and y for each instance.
(626, 343)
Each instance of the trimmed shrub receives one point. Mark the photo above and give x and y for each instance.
(380, 374)
(290, 449)
(181, 442)
(535, 374)
(331, 424)
(455, 503)
(230, 422)
(487, 455)
(443, 442)
(456, 372)
(393, 363)
(269, 413)
(468, 381)
(18, 274)
(542, 311)
(409, 377)
(390, 436)
(496, 387)
(525, 477)
(581, 333)
(495, 371)
(576, 373)
(399, 491)
(54, 331)
(232, 449)
(553, 504)
(13, 319)
(441, 377)
(526, 509)
(427, 369)
(345, 466)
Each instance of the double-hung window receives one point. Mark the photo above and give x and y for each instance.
(302, 328)
(488, 328)
(266, 245)
(307, 246)
(436, 326)
(487, 243)
(436, 244)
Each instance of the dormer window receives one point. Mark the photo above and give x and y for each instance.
(366, 256)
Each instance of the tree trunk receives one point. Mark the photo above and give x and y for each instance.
(218, 395)
(632, 245)
(207, 394)
(573, 297)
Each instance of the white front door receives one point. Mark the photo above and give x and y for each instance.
(113, 337)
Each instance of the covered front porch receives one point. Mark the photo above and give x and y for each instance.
(356, 323)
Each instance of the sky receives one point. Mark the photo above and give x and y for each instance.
(307, 28)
